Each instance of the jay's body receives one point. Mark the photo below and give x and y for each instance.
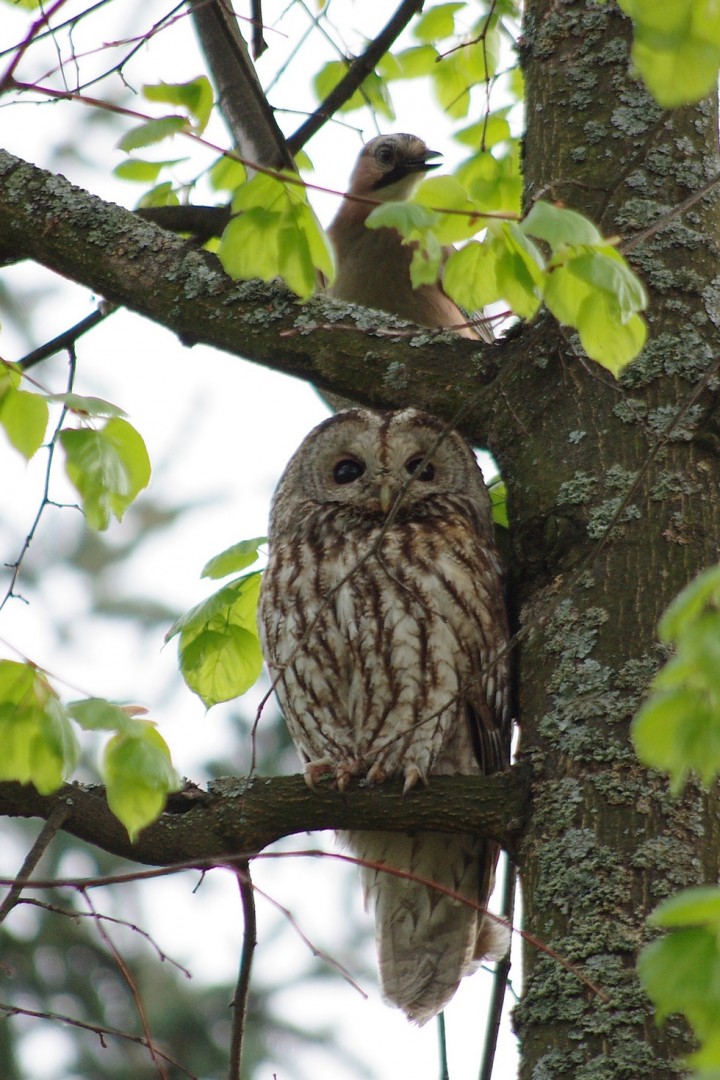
(373, 265)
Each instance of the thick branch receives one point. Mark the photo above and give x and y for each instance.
(239, 815)
(242, 100)
(156, 274)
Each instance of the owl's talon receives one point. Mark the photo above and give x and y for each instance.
(317, 770)
(412, 776)
(376, 775)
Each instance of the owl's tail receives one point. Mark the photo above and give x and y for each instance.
(427, 941)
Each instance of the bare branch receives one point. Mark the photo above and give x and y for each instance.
(52, 826)
(134, 263)
(357, 72)
(242, 990)
(242, 100)
(237, 814)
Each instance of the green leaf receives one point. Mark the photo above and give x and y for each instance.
(217, 661)
(24, 416)
(447, 193)
(234, 558)
(276, 235)
(678, 728)
(681, 974)
(152, 131)
(416, 224)
(221, 665)
(458, 72)
(161, 195)
(97, 714)
(438, 22)
(494, 183)
(108, 467)
(597, 293)
(139, 775)
(139, 171)
(676, 48)
(498, 502)
(38, 743)
(235, 602)
(372, 92)
(691, 907)
(505, 266)
(227, 174)
(196, 96)
(87, 406)
(558, 226)
(413, 63)
(703, 592)
(606, 337)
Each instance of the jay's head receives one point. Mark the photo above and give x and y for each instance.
(390, 166)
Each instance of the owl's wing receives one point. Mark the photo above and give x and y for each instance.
(490, 736)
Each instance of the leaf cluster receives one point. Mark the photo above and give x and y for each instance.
(678, 730)
(40, 746)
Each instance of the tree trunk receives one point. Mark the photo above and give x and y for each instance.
(580, 453)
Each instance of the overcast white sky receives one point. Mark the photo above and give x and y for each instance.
(221, 430)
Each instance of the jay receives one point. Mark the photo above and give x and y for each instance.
(373, 265)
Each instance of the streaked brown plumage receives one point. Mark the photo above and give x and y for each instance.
(387, 638)
(373, 265)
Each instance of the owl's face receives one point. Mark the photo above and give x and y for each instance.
(368, 460)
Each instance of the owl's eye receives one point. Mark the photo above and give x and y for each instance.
(385, 155)
(414, 463)
(347, 470)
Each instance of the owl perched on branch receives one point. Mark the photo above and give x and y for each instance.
(384, 627)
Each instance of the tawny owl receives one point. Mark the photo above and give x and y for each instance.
(383, 622)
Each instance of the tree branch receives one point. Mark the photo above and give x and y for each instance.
(357, 72)
(237, 814)
(157, 274)
(241, 98)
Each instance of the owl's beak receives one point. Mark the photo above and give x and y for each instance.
(385, 496)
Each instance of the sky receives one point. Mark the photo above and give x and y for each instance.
(219, 431)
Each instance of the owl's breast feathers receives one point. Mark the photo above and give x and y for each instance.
(389, 655)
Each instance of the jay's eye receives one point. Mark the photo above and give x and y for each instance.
(346, 470)
(385, 155)
(414, 463)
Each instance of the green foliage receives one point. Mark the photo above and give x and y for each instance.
(275, 234)
(498, 502)
(23, 415)
(108, 466)
(218, 648)
(40, 746)
(676, 47)
(678, 731)
(681, 971)
(138, 774)
(373, 91)
(38, 743)
(233, 559)
(678, 728)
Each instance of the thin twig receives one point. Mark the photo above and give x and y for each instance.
(665, 219)
(130, 983)
(500, 978)
(45, 501)
(68, 337)
(71, 913)
(98, 1029)
(44, 838)
(357, 72)
(242, 990)
(442, 1046)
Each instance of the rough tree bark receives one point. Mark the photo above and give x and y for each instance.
(580, 453)
(604, 841)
